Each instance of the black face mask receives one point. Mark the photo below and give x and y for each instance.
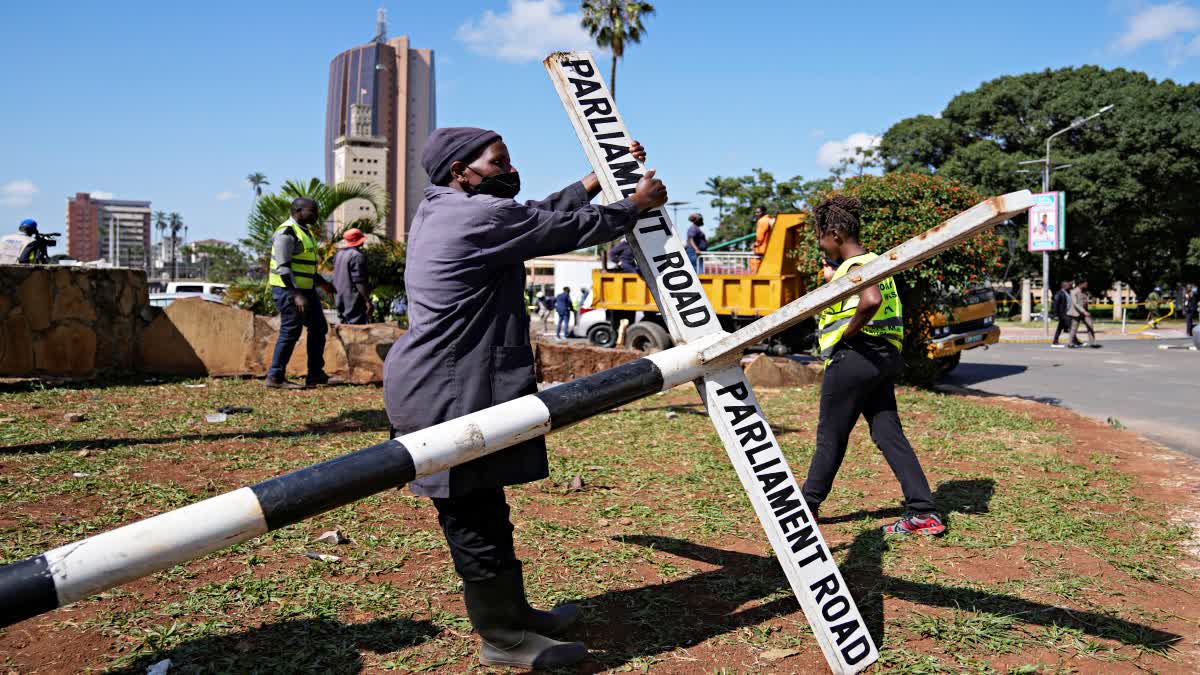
(502, 185)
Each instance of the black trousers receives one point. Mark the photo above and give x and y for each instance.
(1064, 326)
(861, 381)
(479, 533)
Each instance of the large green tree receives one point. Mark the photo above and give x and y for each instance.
(221, 263)
(735, 198)
(613, 24)
(1132, 204)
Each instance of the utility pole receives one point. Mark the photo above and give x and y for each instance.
(1046, 169)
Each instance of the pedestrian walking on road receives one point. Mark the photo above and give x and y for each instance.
(1191, 308)
(350, 279)
(564, 307)
(467, 349)
(1059, 308)
(1080, 315)
(860, 339)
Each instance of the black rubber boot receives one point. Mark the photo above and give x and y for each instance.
(554, 622)
(498, 611)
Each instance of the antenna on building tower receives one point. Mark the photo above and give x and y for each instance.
(381, 26)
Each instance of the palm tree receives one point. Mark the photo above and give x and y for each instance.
(175, 222)
(160, 224)
(256, 181)
(613, 24)
(273, 209)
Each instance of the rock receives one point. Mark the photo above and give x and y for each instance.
(16, 358)
(159, 668)
(562, 362)
(324, 557)
(33, 297)
(625, 521)
(603, 522)
(777, 372)
(778, 654)
(671, 414)
(66, 349)
(576, 483)
(333, 537)
(196, 337)
(80, 474)
(7, 420)
(594, 468)
(71, 303)
(84, 453)
(75, 417)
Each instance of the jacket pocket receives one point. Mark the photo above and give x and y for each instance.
(512, 373)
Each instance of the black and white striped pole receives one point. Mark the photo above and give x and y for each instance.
(75, 571)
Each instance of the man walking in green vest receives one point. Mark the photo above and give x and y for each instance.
(860, 340)
(293, 279)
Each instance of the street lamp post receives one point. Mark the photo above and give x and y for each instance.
(1046, 169)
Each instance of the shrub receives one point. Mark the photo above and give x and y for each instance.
(898, 207)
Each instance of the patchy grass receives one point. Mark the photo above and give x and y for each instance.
(1056, 558)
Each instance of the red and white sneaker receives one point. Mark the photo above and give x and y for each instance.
(924, 523)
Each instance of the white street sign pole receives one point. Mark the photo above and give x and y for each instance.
(756, 456)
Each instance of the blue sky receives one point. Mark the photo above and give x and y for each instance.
(177, 103)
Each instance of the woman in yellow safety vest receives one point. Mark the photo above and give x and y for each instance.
(860, 339)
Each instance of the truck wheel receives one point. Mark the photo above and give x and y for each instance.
(602, 335)
(647, 336)
(948, 363)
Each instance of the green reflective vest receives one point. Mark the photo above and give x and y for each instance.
(888, 322)
(304, 263)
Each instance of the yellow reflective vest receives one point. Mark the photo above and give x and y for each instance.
(304, 263)
(888, 322)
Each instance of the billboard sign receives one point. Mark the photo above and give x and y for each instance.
(1048, 222)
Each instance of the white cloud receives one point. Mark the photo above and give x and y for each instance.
(530, 30)
(1178, 53)
(1157, 24)
(100, 194)
(225, 196)
(831, 153)
(17, 193)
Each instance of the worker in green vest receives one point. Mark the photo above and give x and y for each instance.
(293, 279)
(860, 339)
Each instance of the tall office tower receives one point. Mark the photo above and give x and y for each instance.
(379, 112)
(116, 230)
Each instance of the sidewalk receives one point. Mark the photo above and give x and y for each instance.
(1023, 334)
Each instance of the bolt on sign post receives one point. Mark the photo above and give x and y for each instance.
(756, 456)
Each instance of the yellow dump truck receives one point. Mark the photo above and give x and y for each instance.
(744, 287)
(741, 286)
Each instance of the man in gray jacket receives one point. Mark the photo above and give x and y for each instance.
(467, 348)
(1080, 315)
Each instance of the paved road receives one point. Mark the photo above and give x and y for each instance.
(1152, 391)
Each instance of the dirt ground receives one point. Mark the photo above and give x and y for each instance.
(1072, 545)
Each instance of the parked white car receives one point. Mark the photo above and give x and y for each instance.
(164, 299)
(196, 288)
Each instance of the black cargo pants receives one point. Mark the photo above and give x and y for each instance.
(860, 380)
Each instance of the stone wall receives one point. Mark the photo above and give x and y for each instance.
(70, 321)
(197, 337)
